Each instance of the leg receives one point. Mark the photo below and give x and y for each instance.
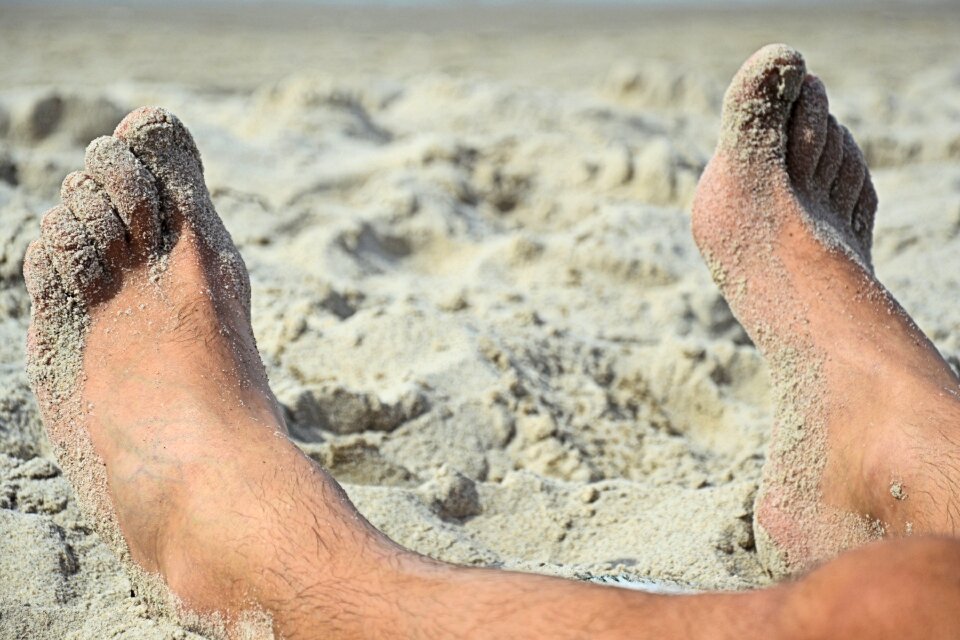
(868, 427)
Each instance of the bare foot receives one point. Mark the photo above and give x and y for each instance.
(152, 390)
(783, 217)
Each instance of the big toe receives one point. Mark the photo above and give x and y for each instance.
(758, 103)
(164, 145)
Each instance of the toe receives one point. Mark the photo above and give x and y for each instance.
(130, 188)
(807, 131)
(71, 251)
(829, 164)
(40, 277)
(166, 148)
(91, 206)
(54, 324)
(46, 298)
(864, 212)
(759, 100)
(845, 190)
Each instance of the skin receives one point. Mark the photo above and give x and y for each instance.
(210, 494)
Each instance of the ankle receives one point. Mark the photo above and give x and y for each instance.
(245, 533)
(374, 588)
(907, 465)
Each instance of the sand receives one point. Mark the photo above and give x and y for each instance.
(474, 285)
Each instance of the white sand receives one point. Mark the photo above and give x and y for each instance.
(474, 285)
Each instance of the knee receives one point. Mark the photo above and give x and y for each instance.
(898, 589)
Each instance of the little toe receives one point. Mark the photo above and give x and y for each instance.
(43, 283)
(47, 300)
(57, 321)
(845, 190)
(91, 206)
(131, 189)
(759, 100)
(864, 212)
(71, 251)
(807, 131)
(830, 160)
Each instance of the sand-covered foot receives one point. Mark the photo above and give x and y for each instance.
(783, 216)
(149, 380)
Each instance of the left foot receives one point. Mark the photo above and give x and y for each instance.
(783, 217)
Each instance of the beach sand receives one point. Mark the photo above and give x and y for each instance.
(474, 285)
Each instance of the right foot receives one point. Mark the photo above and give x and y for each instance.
(783, 216)
(154, 396)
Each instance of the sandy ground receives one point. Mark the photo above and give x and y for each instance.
(474, 284)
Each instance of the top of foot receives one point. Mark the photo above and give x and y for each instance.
(132, 274)
(783, 216)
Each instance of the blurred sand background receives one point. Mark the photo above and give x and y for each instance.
(474, 285)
